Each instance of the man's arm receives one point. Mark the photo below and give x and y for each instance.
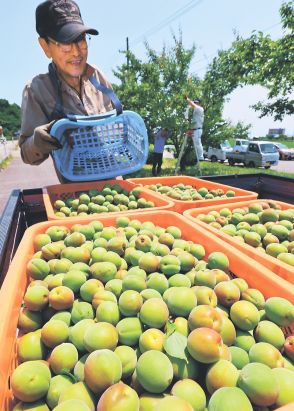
(36, 148)
(35, 141)
(191, 102)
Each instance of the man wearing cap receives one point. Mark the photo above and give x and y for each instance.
(197, 125)
(67, 87)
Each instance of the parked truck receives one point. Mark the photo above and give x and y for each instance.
(258, 154)
(219, 153)
(241, 145)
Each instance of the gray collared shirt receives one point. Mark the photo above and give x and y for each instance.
(38, 102)
(198, 117)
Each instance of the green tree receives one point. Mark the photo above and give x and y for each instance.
(277, 72)
(256, 60)
(156, 88)
(9, 117)
(241, 130)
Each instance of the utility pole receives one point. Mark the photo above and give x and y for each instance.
(127, 40)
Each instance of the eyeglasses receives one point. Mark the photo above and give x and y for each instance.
(81, 42)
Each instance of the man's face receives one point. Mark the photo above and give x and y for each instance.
(70, 64)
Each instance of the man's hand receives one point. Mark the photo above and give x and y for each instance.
(43, 141)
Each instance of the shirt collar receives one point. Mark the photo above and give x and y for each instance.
(85, 77)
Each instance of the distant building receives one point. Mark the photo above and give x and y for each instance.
(276, 131)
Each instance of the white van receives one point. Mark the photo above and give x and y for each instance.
(240, 145)
(219, 153)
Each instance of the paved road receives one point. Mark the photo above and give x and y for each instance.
(22, 176)
(287, 166)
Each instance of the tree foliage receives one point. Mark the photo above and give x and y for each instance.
(277, 74)
(258, 60)
(156, 88)
(9, 117)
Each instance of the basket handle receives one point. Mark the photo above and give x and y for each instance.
(79, 117)
(109, 93)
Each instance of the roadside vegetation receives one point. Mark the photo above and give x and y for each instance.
(207, 169)
(9, 118)
(4, 163)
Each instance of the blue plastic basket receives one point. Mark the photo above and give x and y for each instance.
(100, 147)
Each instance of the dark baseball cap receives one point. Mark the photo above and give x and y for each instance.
(60, 20)
(197, 100)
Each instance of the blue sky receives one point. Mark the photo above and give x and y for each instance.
(209, 24)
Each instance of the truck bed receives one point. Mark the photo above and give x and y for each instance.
(238, 157)
(26, 207)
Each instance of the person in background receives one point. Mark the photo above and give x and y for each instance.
(159, 143)
(197, 125)
(2, 138)
(67, 87)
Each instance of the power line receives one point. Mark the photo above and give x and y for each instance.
(168, 20)
(212, 54)
(164, 22)
(271, 27)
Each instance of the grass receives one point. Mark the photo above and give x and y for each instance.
(207, 169)
(4, 164)
(288, 143)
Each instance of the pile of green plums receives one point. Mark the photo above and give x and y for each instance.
(263, 225)
(136, 317)
(111, 198)
(186, 192)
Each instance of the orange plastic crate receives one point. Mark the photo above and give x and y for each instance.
(289, 407)
(180, 206)
(66, 191)
(278, 267)
(15, 283)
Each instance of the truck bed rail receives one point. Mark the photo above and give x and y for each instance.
(25, 208)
